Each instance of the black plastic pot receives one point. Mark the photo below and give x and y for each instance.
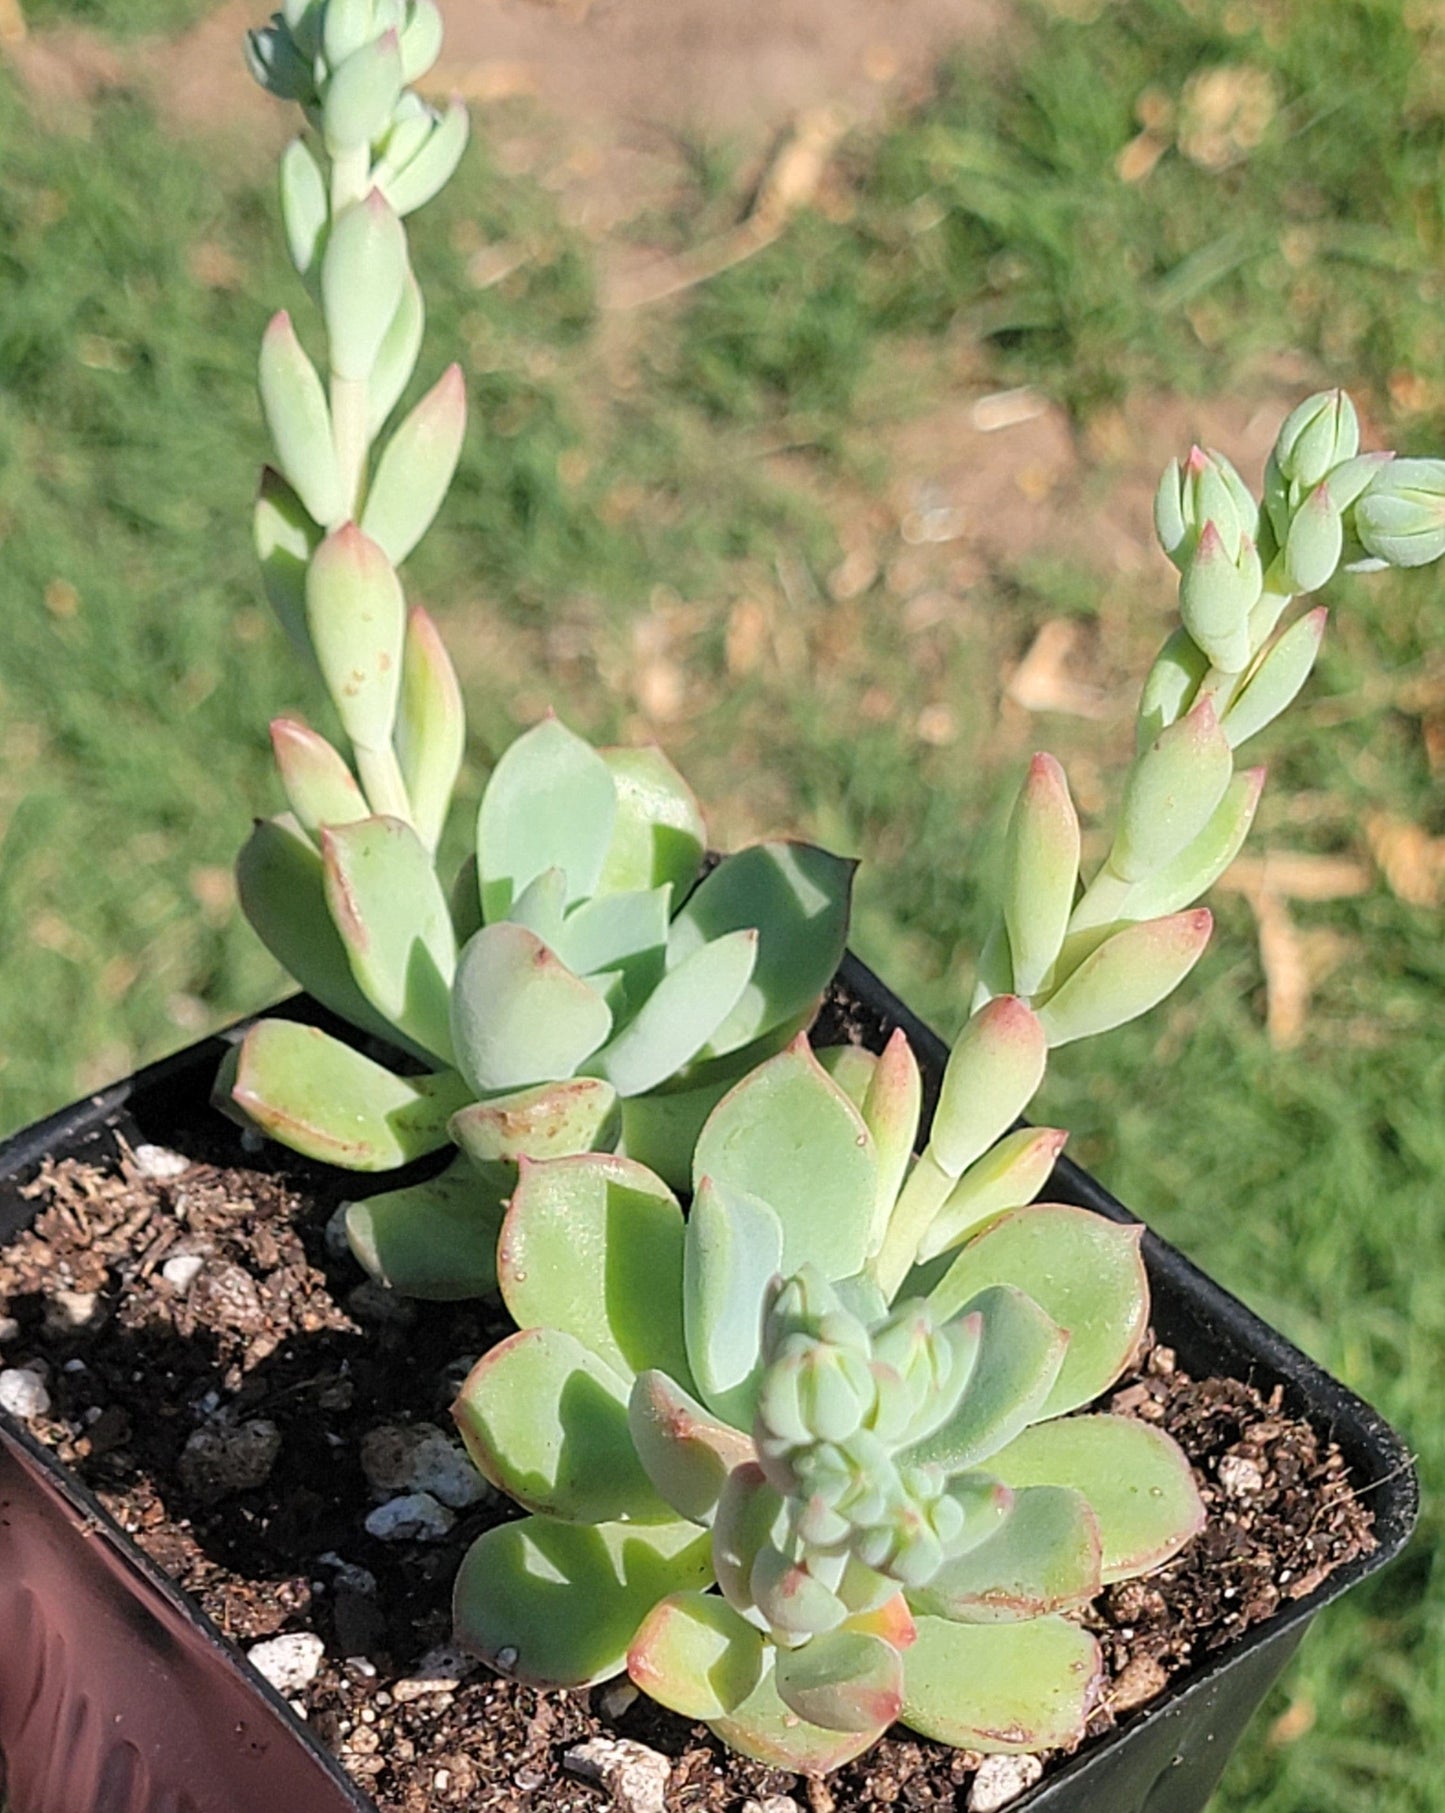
(117, 1695)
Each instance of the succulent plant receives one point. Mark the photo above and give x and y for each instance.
(583, 982)
(885, 1486)
(849, 1389)
(585, 989)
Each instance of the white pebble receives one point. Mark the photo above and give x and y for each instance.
(771, 1803)
(419, 1457)
(9, 1329)
(182, 1271)
(159, 1163)
(441, 1670)
(1002, 1779)
(414, 1517)
(636, 1776)
(1239, 1475)
(68, 1310)
(23, 1392)
(289, 1663)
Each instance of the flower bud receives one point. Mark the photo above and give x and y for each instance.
(1319, 435)
(1216, 595)
(1316, 540)
(1401, 517)
(275, 62)
(361, 94)
(421, 40)
(430, 168)
(345, 26)
(1206, 488)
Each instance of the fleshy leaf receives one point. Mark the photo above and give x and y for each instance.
(679, 1016)
(363, 271)
(1045, 1558)
(431, 730)
(1173, 790)
(320, 788)
(542, 906)
(844, 1680)
(592, 1245)
(1019, 1356)
(791, 1599)
(285, 538)
(1083, 1271)
(1181, 882)
(551, 803)
(696, 1656)
(1170, 685)
(891, 1109)
(436, 1240)
(416, 468)
(357, 621)
(1008, 1175)
(732, 1251)
(749, 1513)
(788, 1136)
(1041, 867)
(658, 836)
(796, 896)
(551, 1120)
(390, 911)
(626, 932)
(281, 884)
(1126, 975)
(851, 1068)
(546, 1421)
(1134, 1476)
(686, 1453)
(996, 1064)
(294, 404)
(397, 359)
(1000, 1687)
(558, 1604)
(320, 1097)
(518, 1014)
(765, 1728)
(1281, 672)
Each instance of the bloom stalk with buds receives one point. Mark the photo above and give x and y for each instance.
(583, 982)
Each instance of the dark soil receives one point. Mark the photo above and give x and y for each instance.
(221, 1421)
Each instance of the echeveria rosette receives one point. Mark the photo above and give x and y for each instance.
(786, 1496)
(586, 987)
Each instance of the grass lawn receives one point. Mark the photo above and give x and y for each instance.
(695, 523)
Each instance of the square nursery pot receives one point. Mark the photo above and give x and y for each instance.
(117, 1695)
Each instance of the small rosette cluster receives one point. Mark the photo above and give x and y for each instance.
(586, 986)
(786, 1496)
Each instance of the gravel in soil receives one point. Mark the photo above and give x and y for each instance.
(252, 1414)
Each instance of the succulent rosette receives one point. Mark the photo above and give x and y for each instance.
(788, 1492)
